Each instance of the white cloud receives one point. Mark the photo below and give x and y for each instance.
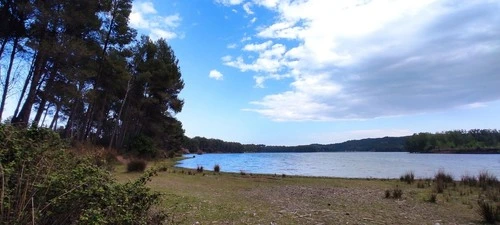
(247, 8)
(232, 46)
(214, 74)
(253, 20)
(229, 2)
(144, 16)
(366, 59)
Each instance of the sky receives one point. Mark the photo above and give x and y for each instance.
(284, 72)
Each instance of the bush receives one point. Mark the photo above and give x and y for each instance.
(486, 179)
(387, 193)
(468, 180)
(433, 198)
(488, 211)
(136, 165)
(420, 184)
(408, 177)
(45, 184)
(445, 177)
(397, 192)
(199, 169)
(217, 168)
(142, 146)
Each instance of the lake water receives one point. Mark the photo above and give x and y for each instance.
(348, 164)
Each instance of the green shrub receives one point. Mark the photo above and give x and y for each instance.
(420, 184)
(44, 184)
(142, 146)
(136, 165)
(408, 177)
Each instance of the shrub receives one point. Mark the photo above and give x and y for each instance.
(488, 211)
(445, 177)
(397, 192)
(59, 188)
(468, 180)
(142, 146)
(217, 168)
(199, 169)
(486, 179)
(387, 193)
(433, 198)
(420, 184)
(440, 186)
(136, 165)
(408, 177)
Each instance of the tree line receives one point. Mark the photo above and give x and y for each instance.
(85, 73)
(456, 141)
(386, 144)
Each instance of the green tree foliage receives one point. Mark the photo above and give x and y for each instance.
(41, 183)
(89, 73)
(475, 140)
(386, 144)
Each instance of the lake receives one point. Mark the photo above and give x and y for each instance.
(348, 164)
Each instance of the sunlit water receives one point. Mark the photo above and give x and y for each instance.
(348, 164)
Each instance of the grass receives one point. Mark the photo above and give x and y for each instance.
(229, 198)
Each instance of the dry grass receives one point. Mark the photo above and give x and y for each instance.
(260, 199)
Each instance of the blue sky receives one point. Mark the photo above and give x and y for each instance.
(283, 72)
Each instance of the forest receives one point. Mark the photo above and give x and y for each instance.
(78, 68)
(386, 144)
(456, 141)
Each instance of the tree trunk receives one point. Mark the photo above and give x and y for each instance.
(25, 86)
(113, 133)
(7, 77)
(24, 115)
(53, 124)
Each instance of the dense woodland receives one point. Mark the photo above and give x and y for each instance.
(76, 66)
(386, 144)
(457, 141)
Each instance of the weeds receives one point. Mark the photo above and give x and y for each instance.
(408, 177)
(199, 169)
(468, 180)
(420, 184)
(397, 193)
(217, 168)
(433, 198)
(488, 211)
(486, 179)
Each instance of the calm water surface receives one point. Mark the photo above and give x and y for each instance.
(348, 164)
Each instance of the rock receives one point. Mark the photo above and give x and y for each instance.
(347, 214)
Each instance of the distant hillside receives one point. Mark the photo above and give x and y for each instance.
(386, 144)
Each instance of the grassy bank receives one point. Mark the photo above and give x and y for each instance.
(212, 198)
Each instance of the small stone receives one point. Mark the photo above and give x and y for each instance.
(347, 214)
